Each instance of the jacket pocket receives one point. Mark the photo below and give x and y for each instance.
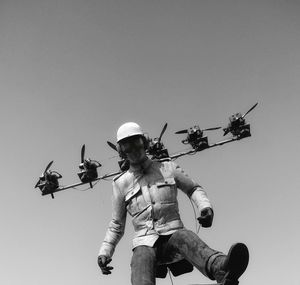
(167, 190)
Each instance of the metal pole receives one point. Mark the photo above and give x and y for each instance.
(183, 153)
(194, 151)
(174, 156)
(224, 142)
(82, 183)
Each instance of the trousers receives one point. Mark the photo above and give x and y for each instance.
(184, 242)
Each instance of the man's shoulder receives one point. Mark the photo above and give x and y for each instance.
(166, 159)
(123, 179)
(165, 163)
(118, 176)
(166, 166)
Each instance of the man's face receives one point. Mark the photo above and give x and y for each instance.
(134, 150)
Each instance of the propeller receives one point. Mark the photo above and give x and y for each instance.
(48, 181)
(182, 132)
(162, 132)
(113, 146)
(123, 163)
(88, 161)
(48, 166)
(88, 168)
(157, 140)
(249, 110)
(208, 129)
(82, 153)
(226, 131)
(212, 129)
(43, 175)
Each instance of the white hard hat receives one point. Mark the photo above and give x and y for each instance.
(129, 129)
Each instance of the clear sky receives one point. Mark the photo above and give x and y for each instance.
(71, 72)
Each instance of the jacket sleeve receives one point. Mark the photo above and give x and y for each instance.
(116, 226)
(194, 191)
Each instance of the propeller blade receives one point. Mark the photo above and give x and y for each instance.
(48, 166)
(249, 110)
(82, 153)
(114, 147)
(182, 132)
(212, 129)
(226, 131)
(36, 185)
(162, 132)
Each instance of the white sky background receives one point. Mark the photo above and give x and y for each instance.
(71, 72)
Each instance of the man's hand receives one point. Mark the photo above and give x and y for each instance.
(206, 217)
(102, 262)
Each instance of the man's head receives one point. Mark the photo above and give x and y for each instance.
(132, 142)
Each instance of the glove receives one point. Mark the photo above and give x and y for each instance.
(102, 262)
(206, 217)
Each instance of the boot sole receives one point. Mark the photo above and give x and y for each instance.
(238, 259)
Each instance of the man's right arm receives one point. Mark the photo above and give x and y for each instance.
(116, 227)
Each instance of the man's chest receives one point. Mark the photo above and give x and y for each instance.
(153, 189)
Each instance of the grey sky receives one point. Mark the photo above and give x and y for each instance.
(72, 71)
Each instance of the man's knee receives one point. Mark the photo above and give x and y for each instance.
(192, 248)
(184, 236)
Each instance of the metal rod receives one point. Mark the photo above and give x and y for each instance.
(174, 156)
(183, 153)
(194, 151)
(82, 183)
(224, 142)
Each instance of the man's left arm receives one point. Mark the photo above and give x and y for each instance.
(196, 193)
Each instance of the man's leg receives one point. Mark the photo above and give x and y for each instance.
(227, 269)
(143, 265)
(193, 249)
(213, 264)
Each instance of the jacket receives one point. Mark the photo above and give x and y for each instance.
(149, 194)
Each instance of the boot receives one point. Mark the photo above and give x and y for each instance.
(227, 269)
